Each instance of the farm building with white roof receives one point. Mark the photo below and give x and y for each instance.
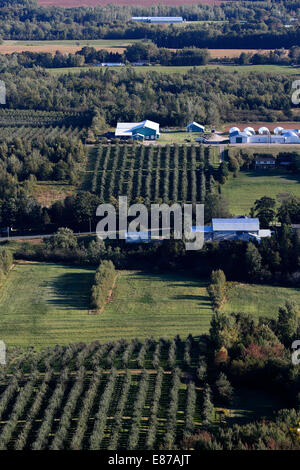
(147, 130)
(280, 136)
(239, 228)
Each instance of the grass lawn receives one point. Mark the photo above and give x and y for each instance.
(179, 136)
(259, 300)
(243, 191)
(46, 304)
(156, 305)
(277, 69)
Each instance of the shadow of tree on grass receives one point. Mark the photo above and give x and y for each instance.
(72, 290)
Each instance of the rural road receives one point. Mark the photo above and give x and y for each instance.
(33, 237)
(79, 234)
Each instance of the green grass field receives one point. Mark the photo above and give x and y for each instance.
(46, 304)
(274, 69)
(157, 305)
(178, 136)
(242, 191)
(269, 149)
(259, 300)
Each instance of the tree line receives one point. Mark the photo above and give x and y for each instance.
(147, 53)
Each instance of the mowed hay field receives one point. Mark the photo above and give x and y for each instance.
(259, 300)
(242, 191)
(274, 69)
(44, 304)
(157, 305)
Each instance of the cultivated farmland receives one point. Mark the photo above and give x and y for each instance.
(98, 407)
(119, 395)
(111, 45)
(172, 173)
(9, 133)
(64, 46)
(32, 124)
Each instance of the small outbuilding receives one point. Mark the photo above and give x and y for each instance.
(194, 127)
(265, 162)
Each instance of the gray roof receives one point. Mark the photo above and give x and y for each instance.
(235, 225)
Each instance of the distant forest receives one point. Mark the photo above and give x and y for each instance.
(237, 24)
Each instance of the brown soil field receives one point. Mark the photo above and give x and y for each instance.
(63, 48)
(7, 48)
(219, 53)
(93, 3)
(270, 125)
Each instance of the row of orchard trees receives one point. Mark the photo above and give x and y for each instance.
(170, 173)
(148, 354)
(75, 410)
(104, 278)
